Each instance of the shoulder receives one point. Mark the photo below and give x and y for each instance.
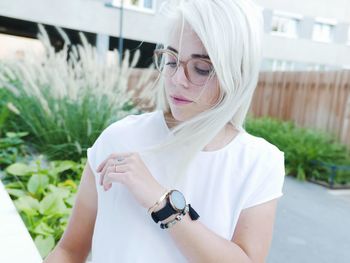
(131, 133)
(259, 144)
(129, 123)
(126, 134)
(261, 151)
(265, 171)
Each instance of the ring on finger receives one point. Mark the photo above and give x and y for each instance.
(118, 160)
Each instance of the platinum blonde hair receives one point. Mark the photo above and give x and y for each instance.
(231, 31)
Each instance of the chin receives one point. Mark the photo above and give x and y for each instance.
(177, 114)
(180, 113)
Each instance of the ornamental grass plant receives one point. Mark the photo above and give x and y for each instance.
(65, 99)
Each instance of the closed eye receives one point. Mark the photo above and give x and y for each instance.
(202, 72)
(171, 64)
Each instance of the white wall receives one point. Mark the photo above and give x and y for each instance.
(16, 47)
(333, 9)
(85, 15)
(305, 51)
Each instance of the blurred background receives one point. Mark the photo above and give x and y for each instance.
(70, 68)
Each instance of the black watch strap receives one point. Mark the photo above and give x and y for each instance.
(167, 211)
(163, 213)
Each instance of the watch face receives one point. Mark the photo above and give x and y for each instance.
(177, 200)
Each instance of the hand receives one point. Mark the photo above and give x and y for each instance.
(131, 171)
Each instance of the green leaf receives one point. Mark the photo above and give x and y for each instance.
(61, 191)
(44, 244)
(52, 204)
(62, 166)
(19, 169)
(16, 134)
(16, 192)
(37, 182)
(14, 185)
(69, 183)
(43, 229)
(27, 204)
(70, 200)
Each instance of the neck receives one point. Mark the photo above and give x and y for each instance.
(225, 136)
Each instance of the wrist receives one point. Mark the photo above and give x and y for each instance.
(158, 200)
(161, 205)
(170, 208)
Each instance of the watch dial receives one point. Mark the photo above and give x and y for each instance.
(178, 200)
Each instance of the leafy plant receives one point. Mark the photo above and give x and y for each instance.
(12, 148)
(7, 110)
(44, 195)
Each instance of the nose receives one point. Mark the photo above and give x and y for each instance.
(180, 78)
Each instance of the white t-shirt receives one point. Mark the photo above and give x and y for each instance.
(219, 184)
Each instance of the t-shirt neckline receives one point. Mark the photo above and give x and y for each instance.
(221, 150)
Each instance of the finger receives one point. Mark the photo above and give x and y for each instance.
(120, 168)
(112, 156)
(113, 177)
(108, 187)
(108, 165)
(112, 162)
(101, 165)
(112, 168)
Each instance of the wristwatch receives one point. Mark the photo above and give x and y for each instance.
(175, 204)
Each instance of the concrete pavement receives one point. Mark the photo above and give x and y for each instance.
(312, 225)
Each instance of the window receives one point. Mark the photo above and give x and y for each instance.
(136, 4)
(277, 65)
(323, 30)
(285, 24)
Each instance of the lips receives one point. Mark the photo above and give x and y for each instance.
(180, 98)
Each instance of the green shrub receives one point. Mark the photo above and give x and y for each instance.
(302, 146)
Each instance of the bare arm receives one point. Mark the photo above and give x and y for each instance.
(250, 242)
(75, 243)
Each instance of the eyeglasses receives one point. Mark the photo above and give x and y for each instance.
(197, 70)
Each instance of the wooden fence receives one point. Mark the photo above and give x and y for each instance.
(319, 100)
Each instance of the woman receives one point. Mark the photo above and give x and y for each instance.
(185, 183)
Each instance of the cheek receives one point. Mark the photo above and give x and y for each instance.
(166, 86)
(215, 94)
(211, 96)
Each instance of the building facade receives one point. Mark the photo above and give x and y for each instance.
(299, 35)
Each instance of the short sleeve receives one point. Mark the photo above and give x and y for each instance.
(268, 181)
(98, 150)
(92, 152)
(106, 143)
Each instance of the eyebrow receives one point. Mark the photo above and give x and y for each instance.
(192, 56)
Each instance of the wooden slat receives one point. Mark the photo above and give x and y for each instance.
(319, 100)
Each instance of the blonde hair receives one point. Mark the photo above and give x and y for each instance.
(231, 31)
